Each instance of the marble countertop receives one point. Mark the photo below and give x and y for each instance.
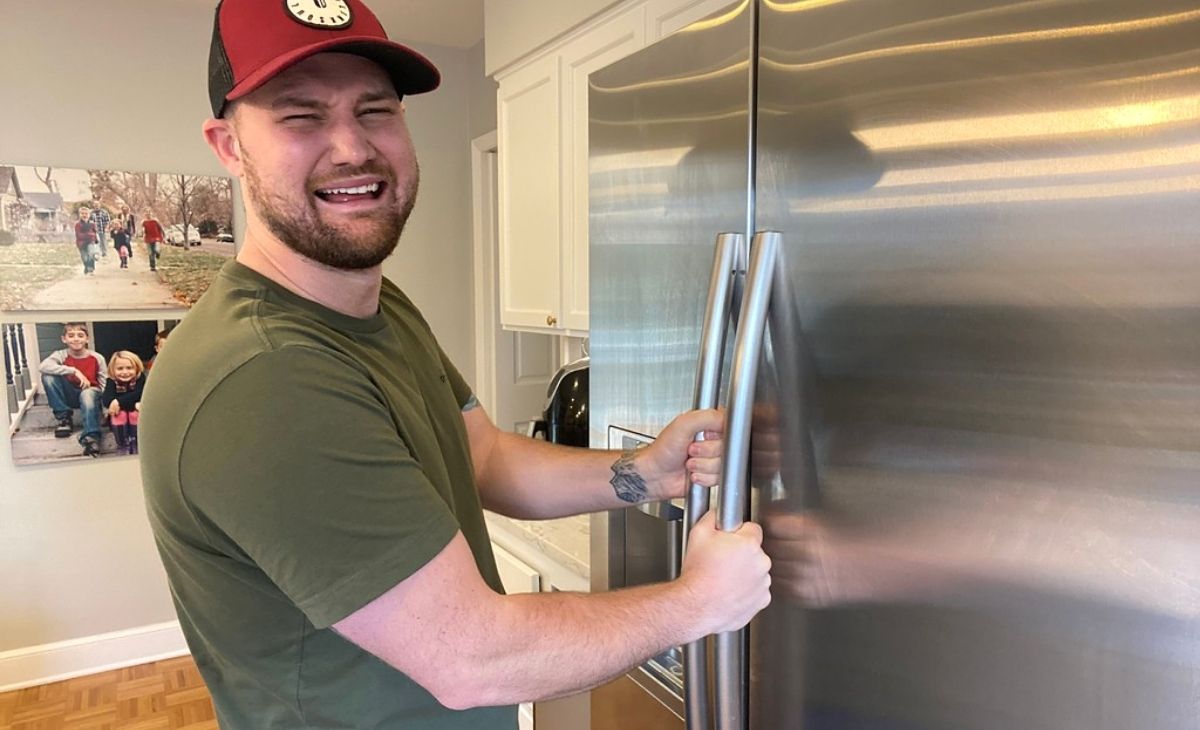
(564, 541)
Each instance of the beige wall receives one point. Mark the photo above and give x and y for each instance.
(483, 94)
(513, 28)
(124, 88)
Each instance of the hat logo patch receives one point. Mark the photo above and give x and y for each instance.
(323, 14)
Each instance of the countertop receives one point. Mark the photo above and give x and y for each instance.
(564, 542)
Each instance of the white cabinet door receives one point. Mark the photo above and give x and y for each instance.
(529, 145)
(615, 39)
(664, 17)
(515, 574)
(518, 577)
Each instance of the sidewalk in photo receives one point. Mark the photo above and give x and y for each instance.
(111, 287)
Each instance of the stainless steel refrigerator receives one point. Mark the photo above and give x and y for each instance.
(966, 343)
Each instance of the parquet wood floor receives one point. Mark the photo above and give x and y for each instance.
(165, 695)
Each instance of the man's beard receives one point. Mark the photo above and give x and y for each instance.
(301, 228)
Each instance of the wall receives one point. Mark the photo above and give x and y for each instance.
(513, 28)
(124, 88)
(482, 100)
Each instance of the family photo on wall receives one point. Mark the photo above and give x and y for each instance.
(83, 381)
(74, 239)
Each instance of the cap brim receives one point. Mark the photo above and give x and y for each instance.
(411, 73)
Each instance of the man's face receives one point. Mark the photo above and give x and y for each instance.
(328, 162)
(84, 213)
(76, 340)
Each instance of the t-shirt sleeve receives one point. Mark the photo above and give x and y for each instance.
(295, 464)
(463, 394)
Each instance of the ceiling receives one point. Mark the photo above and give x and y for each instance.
(454, 23)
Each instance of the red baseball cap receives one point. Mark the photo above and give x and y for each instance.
(253, 40)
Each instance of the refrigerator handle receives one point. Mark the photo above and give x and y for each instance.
(734, 498)
(708, 385)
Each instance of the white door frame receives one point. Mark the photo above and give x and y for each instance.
(483, 207)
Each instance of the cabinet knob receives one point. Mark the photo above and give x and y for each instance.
(551, 320)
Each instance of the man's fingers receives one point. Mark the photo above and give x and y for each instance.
(707, 420)
(705, 449)
(704, 466)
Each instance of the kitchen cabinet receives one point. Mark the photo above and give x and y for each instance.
(518, 577)
(542, 144)
(542, 110)
(543, 147)
(525, 567)
(614, 40)
(528, 109)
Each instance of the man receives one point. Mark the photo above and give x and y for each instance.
(315, 468)
(101, 218)
(153, 235)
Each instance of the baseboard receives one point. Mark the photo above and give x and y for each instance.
(35, 665)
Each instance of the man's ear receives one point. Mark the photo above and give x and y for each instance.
(222, 139)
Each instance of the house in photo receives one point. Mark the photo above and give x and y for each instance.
(47, 218)
(12, 207)
(30, 216)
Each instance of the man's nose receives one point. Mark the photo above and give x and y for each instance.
(350, 144)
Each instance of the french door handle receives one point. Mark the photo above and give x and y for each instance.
(708, 385)
(733, 501)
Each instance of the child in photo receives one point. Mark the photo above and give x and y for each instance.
(85, 239)
(120, 239)
(123, 398)
(75, 377)
(159, 339)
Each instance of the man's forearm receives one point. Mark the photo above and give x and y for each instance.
(530, 479)
(548, 645)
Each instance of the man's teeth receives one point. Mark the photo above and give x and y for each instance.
(360, 190)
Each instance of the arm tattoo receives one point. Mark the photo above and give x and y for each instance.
(628, 484)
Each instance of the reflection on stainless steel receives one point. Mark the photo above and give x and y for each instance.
(976, 429)
(664, 156)
(982, 506)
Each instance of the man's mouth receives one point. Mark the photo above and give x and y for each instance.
(369, 191)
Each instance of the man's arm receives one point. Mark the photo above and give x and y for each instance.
(471, 647)
(530, 479)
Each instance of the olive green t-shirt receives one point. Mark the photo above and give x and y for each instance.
(297, 464)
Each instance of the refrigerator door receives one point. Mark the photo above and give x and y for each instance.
(977, 436)
(669, 147)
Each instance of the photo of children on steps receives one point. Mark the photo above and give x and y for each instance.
(74, 239)
(75, 388)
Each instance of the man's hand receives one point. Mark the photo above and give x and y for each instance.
(664, 469)
(728, 573)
